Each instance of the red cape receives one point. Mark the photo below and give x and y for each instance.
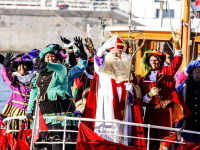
(90, 112)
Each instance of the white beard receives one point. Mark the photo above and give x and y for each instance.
(117, 69)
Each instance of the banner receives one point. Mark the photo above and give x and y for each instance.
(88, 140)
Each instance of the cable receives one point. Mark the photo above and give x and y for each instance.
(67, 21)
(100, 28)
(170, 19)
(181, 14)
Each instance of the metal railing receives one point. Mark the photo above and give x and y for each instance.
(148, 126)
(86, 5)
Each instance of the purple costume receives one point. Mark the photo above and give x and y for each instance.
(18, 101)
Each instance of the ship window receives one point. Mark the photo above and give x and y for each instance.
(165, 13)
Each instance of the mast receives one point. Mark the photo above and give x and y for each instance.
(185, 32)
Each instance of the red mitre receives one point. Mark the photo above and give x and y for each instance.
(120, 45)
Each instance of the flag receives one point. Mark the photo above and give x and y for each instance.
(88, 140)
(40, 125)
(197, 2)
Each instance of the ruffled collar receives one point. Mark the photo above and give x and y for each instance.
(153, 75)
(24, 79)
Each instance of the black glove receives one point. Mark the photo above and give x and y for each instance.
(1, 59)
(39, 64)
(72, 59)
(7, 59)
(79, 45)
(66, 41)
(29, 116)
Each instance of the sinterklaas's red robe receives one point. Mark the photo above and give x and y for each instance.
(90, 112)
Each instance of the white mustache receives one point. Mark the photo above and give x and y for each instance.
(117, 59)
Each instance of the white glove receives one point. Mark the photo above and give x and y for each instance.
(154, 91)
(108, 44)
(129, 87)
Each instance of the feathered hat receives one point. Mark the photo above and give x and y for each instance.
(22, 59)
(145, 62)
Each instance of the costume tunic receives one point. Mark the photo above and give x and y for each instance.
(75, 72)
(50, 87)
(80, 84)
(171, 108)
(18, 101)
(189, 90)
(106, 102)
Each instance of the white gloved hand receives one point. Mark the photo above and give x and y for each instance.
(108, 44)
(129, 87)
(154, 91)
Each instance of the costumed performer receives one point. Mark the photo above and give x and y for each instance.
(18, 76)
(164, 106)
(106, 99)
(50, 86)
(189, 91)
(77, 68)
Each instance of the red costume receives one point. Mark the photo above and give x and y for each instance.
(171, 107)
(81, 83)
(107, 96)
(90, 112)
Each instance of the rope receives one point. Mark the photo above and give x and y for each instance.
(181, 14)
(170, 19)
(197, 27)
(170, 47)
(100, 28)
(66, 21)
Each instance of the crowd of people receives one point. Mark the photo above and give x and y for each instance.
(83, 82)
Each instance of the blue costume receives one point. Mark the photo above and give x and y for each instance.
(189, 90)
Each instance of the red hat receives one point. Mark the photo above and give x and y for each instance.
(119, 44)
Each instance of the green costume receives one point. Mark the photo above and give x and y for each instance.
(49, 85)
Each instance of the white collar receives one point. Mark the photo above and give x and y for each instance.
(24, 79)
(153, 75)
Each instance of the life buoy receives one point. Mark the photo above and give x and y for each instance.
(166, 145)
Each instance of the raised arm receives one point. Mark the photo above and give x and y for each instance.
(58, 68)
(5, 70)
(176, 62)
(99, 63)
(78, 69)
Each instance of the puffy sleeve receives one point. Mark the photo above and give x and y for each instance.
(33, 94)
(78, 69)
(7, 76)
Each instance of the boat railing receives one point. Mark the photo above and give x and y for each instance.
(86, 5)
(65, 118)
